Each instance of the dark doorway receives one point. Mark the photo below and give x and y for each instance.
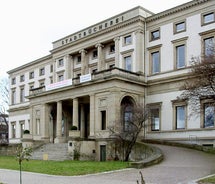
(103, 153)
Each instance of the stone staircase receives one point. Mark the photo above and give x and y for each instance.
(58, 152)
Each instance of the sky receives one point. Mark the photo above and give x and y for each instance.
(28, 27)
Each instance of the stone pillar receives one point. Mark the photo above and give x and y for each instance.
(116, 40)
(101, 64)
(67, 60)
(75, 112)
(84, 64)
(139, 51)
(71, 67)
(31, 126)
(58, 138)
(82, 128)
(45, 122)
(92, 116)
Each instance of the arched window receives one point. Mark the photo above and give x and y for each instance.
(127, 105)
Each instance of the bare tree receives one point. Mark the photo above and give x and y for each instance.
(4, 103)
(201, 80)
(125, 132)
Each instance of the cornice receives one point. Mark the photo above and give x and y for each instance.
(105, 31)
(175, 10)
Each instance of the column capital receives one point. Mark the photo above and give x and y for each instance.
(82, 51)
(139, 31)
(116, 38)
(99, 45)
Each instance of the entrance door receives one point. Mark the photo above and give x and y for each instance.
(103, 153)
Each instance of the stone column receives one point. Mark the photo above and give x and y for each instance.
(45, 122)
(75, 112)
(84, 64)
(31, 126)
(71, 67)
(101, 64)
(82, 128)
(58, 138)
(116, 40)
(92, 116)
(67, 60)
(139, 51)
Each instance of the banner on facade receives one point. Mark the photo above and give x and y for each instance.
(59, 84)
(85, 78)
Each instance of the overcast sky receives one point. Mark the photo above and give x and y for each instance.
(28, 27)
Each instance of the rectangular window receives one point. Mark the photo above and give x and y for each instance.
(180, 117)
(127, 40)
(13, 81)
(180, 56)
(208, 18)
(31, 75)
(155, 119)
(128, 63)
(79, 59)
(51, 68)
(60, 78)
(155, 35)
(13, 100)
(155, 62)
(180, 27)
(37, 126)
(60, 62)
(22, 78)
(42, 71)
(13, 130)
(209, 115)
(22, 95)
(42, 83)
(103, 120)
(209, 46)
(22, 128)
(112, 48)
(95, 54)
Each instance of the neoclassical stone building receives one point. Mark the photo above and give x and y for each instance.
(134, 57)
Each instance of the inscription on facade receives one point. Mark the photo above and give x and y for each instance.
(90, 31)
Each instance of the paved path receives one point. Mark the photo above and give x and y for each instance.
(180, 166)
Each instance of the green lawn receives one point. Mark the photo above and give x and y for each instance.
(65, 168)
(209, 180)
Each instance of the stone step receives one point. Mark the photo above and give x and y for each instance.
(58, 152)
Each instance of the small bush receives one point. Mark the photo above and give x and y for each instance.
(26, 132)
(74, 128)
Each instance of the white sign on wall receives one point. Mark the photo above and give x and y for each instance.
(85, 78)
(59, 84)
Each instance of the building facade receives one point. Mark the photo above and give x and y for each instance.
(135, 57)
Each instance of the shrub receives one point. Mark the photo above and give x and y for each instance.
(74, 128)
(26, 132)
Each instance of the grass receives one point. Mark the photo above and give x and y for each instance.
(209, 180)
(64, 168)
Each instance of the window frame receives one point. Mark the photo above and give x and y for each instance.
(22, 94)
(175, 105)
(177, 43)
(153, 50)
(127, 40)
(42, 71)
(154, 106)
(103, 119)
(22, 78)
(203, 102)
(60, 62)
(31, 75)
(204, 36)
(176, 31)
(125, 62)
(13, 81)
(206, 14)
(153, 38)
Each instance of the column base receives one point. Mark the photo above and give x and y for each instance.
(59, 140)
